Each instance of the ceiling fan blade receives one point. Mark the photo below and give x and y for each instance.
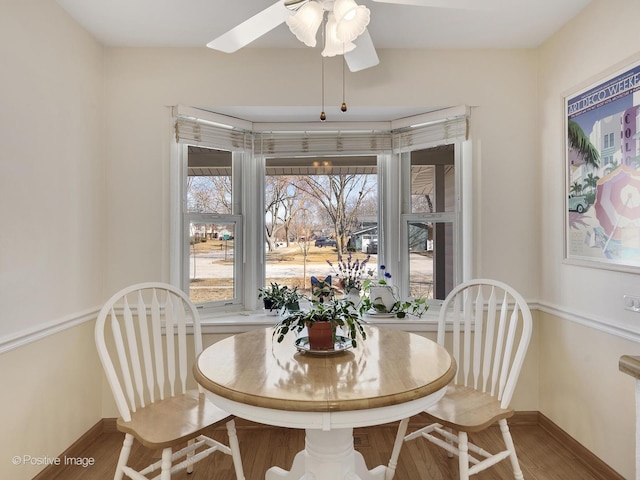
(364, 55)
(458, 4)
(251, 29)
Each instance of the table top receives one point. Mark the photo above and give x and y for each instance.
(390, 367)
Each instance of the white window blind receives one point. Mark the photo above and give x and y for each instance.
(314, 143)
(195, 131)
(420, 136)
(198, 127)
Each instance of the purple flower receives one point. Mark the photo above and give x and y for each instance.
(349, 270)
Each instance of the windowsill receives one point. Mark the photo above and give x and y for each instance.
(237, 322)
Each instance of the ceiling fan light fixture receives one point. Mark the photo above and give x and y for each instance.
(333, 46)
(306, 22)
(352, 19)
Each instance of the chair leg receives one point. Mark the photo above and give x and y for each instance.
(124, 456)
(397, 446)
(190, 455)
(450, 442)
(165, 473)
(508, 441)
(463, 457)
(235, 449)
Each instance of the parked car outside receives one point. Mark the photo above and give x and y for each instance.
(578, 203)
(372, 248)
(325, 242)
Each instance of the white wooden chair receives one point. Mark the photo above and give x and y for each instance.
(488, 326)
(142, 342)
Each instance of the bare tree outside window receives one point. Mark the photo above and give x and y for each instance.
(341, 197)
(313, 213)
(211, 234)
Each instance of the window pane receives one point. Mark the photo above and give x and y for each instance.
(316, 207)
(430, 250)
(209, 181)
(433, 180)
(211, 265)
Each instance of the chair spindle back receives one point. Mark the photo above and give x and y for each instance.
(489, 321)
(146, 324)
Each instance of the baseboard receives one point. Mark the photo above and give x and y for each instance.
(599, 468)
(75, 450)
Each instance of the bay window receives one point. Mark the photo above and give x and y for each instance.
(253, 204)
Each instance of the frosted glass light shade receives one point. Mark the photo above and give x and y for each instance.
(305, 23)
(352, 19)
(333, 46)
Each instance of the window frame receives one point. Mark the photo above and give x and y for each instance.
(249, 170)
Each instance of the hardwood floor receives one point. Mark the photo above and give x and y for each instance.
(542, 457)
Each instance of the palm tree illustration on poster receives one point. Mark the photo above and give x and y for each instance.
(603, 171)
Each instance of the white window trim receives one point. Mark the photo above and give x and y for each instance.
(248, 176)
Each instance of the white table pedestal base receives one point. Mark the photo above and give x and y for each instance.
(328, 455)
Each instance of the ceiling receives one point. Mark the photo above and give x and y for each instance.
(193, 23)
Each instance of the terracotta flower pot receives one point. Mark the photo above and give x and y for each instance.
(320, 335)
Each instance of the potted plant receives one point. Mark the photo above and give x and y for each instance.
(399, 308)
(350, 274)
(292, 298)
(276, 297)
(322, 321)
(382, 298)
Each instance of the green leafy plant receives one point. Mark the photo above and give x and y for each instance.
(400, 308)
(339, 312)
(415, 306)
(277, 296)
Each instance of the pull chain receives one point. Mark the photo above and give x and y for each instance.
(323, 116)
(343, 107)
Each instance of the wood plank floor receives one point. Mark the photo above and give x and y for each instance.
(541, 456)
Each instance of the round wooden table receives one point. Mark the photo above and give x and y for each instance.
(391, 375)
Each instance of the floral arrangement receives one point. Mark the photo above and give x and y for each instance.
(350, 271)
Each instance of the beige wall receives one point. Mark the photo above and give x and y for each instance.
(499, 84)
(51, 196)
(51, 395)
(581, 388)
(583, 392)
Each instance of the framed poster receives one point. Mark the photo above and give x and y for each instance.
(603, 172)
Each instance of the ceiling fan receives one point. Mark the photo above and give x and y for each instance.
(305, 16)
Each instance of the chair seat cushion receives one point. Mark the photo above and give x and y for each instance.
(173, 420)
(466, 409)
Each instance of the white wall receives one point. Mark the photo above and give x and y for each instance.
(581, 388)
(52, 208)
